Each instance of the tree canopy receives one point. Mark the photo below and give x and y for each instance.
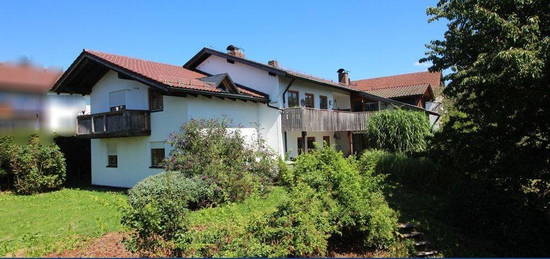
(497, 137)
(496, 53)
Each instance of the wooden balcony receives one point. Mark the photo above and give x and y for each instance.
(123, 123)
(305, 119)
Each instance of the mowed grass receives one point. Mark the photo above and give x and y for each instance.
(36, 225)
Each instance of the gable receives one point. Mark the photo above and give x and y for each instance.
(90, 66)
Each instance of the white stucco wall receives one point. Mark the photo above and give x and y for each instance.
(342, 98)
(248, 76)
(134, 159)
(135, 92)
(62, 110)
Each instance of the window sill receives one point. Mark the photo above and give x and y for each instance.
(159, 110)
(111, 166)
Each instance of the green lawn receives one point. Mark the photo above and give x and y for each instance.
(40, 224)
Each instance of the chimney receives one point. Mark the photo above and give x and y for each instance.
(343, 77)
(273, 63)
(235, 51)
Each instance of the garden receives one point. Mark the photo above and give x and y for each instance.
(219, 197)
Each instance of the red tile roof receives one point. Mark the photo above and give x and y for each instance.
(170, 75)
(403, 80)
(26, 78)
(400, 91)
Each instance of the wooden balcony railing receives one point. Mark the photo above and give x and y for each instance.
(305, 119)
(123, 123)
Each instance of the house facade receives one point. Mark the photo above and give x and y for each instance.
(27, 105)
(136, 105)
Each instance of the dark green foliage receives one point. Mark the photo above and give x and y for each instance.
(37, 167)
(7, 148)
(399, 131)
(158, 208)
(420, 173)
(497, 139)
(209, 149)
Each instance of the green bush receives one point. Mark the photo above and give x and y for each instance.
(37, 167)
(299, 228)
(157, 210)
(7, 148)
(207, 148)
(222, 231)
(419, 173)
(398, 131)
(360, 204)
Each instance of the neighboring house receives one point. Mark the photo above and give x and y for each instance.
(136, 104)
(413, 88)
(25, 104)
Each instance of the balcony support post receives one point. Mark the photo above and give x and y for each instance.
(304, 141)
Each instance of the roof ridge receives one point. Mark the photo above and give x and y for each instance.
(394, 86)
(404, 74)
(140, 59)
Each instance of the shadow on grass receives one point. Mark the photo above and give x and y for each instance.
(431, 213)
(99, 188)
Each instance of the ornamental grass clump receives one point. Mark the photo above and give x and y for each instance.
(399, 131)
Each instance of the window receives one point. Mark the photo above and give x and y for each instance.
(326, 140)
(293, 99)
(372, 106)
(309, 101)
(155, 100)
(310, 143)
(300, 145)
(323, 102)
(112, 157)
(157, 154)
(117, 100)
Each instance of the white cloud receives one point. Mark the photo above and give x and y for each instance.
(425, 64)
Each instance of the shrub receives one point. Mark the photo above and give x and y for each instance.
(222, 231)
(360, 204)
(300, 227)
(398, 131)
(419, 173)
(208, 148)
(7, 152)
(37, 167)
(157, 210)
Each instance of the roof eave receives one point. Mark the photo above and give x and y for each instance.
(144, 80)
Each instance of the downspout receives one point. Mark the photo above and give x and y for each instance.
(284, 102)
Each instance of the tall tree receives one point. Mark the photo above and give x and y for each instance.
(496, 52)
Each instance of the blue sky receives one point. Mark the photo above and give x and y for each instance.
(369, 38)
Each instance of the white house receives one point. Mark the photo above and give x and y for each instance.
(136, 104)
